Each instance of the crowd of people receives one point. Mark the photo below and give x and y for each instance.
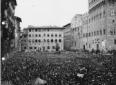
(57, 69)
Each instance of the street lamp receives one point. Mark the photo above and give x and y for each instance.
(3, 59)
(3, 22)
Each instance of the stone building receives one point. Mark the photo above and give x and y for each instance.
(67, 37)
(17, 31)
(23, 41)
(84, 31)
(7, 25)
(44, 38)
(76, 29)
(101, 32)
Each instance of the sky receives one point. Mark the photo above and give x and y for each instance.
(49, 12)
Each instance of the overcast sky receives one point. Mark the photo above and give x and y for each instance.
(49, 12)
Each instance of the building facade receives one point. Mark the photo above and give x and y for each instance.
(67, 37)
(76, 29)
(7, 25)
(23, 41)
(101, 31)
(85, 31)
(44, 38)
(17, 31)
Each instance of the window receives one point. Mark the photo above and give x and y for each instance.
(47, 40)
(59, 35)
(30, 47)
(51, 40)
(55, 40)
(115, 41)
(44, 40)
(86, 34)
(24, 47)
(48, 35)
(100, 32)
(104, 31)
(100, 15)
(29, 35)
(75, 43)
(35, 47)
(97, 32)
(113, 21)
(112, 12)
(114, 31)
(60, 40)
(35, 35)
(94, 33)
(35, 30)
(51, 35)
(29, 30)
(55, 35)
(29, 41)
(53, 47)
(104, 13)
(89, 34)
(39, 35)
(25, 36)
(48, 47)
(36, 41)
(39, 40)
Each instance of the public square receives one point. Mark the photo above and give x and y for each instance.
(66, 68)
(58, 42)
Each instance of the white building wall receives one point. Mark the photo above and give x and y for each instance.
(44, 45)
(84, 31)
(76, 26)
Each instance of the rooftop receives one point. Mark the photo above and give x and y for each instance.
(44, 27)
